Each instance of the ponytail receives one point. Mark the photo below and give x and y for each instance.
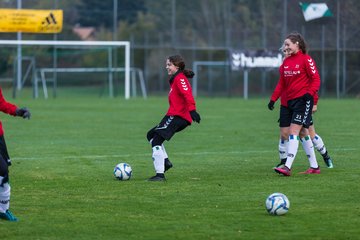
(178, 61)
(188, 73)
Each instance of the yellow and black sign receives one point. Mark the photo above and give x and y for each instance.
(31, 21)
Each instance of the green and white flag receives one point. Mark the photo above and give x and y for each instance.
(313, 11)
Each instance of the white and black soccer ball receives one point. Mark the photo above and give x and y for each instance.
(123, 171)
(277, 204)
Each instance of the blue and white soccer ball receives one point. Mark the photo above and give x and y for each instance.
(277, 204)
(123, 171)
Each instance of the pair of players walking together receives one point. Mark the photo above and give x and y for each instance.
(298, 88)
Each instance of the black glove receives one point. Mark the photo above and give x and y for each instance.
(308, 97)
(271, 105)
(23, 112)
(195, 116)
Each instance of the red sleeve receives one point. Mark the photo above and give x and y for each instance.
(7, 107)
(185, 90)
(279, 87)
(313, 73)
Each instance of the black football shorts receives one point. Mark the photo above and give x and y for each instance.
(168, 126)
(285, 116)
(301, 110)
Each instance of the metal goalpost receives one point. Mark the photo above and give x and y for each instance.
(64, 44)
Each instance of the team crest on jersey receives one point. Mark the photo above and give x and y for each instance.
(183, 84)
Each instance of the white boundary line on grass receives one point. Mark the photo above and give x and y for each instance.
(173, 153)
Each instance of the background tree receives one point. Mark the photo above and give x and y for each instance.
(100, 13)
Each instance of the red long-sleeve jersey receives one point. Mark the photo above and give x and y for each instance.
(280, 93)
(298, 76)
(7, 108)
(181, 100)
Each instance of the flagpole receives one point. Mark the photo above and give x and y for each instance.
(19, 56)
(344, 61)
(322, 59)
(338, 50)
(285, 18)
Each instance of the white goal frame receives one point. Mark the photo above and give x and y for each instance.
(125, 44)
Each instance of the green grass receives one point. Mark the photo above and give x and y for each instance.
(63, 188)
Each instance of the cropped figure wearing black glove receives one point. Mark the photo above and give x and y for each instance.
(271, 105)
(5, 162)
(181, 113)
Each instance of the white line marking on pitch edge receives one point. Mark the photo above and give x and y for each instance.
(149, 154)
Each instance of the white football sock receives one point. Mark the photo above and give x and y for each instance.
(164, 151)
(163, 148)
(309, 150)
(158, 158)
(283, 144)
(4, 197)
(292, 150)
(319, 144)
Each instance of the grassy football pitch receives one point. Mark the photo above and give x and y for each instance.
(63, 158)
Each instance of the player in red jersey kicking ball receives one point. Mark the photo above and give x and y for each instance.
(181, 112)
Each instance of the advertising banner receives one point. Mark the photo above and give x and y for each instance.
(255, 59)
(31, 21)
